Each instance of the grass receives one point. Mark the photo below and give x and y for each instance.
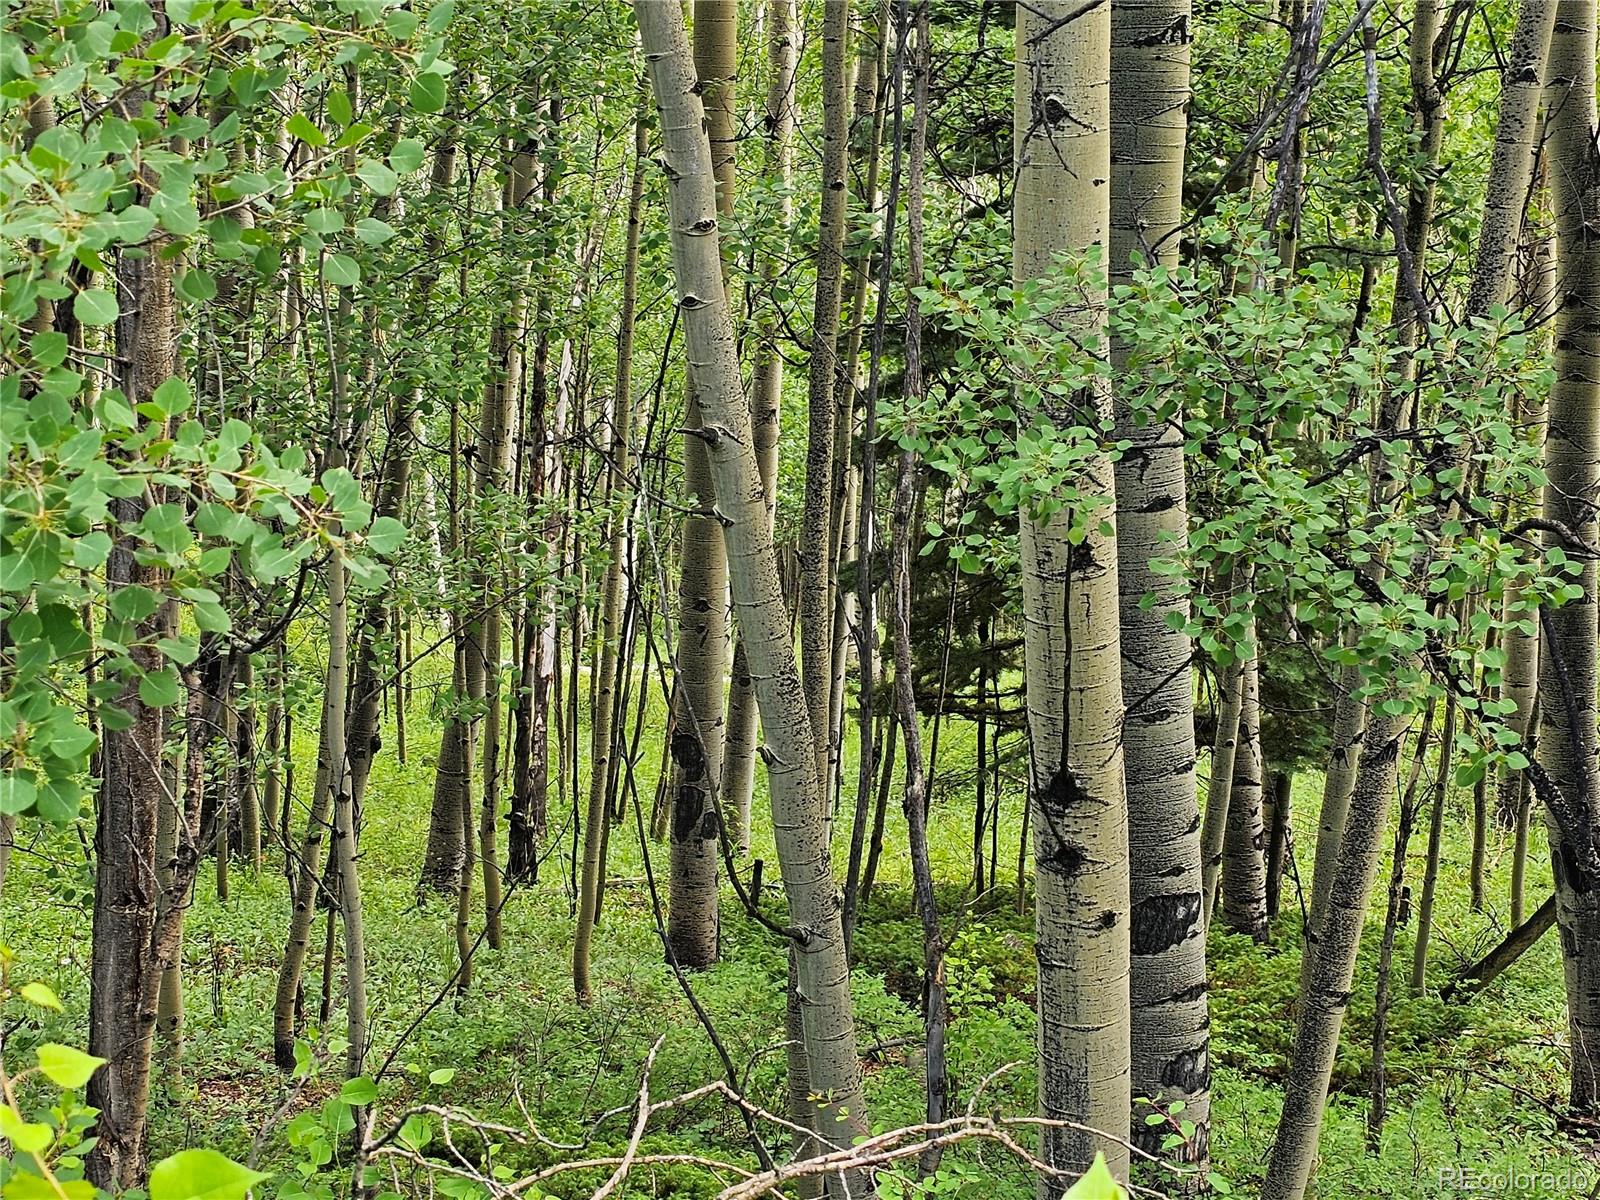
(1473, 1085)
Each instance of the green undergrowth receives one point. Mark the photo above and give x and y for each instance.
(1473, 1086)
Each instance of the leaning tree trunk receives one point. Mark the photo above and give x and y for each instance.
(1077, 804)
(1569, 744)
(1170, 1022)
(692, 925)
(1219, 790)
(737, 787)
(838, 1111)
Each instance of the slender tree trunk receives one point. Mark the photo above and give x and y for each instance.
(1569, 743)
(1224, 752)
(1344, 753)
(1279, 850)
(1430, 870)
(1323, 1003)
(834, 1098)
(1077, 803)
(344, 817)
(125, 972)
(1377, 1109)
(1170, 1030)
(618, 466)
(816, 534)
(737, 787)
(703, 595)
(1244, 874)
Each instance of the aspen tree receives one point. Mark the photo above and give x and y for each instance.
(1170, 1025)
(1077, 805)
(1569, 743)
(816, 533)
(702, 646)
(1244, 871)
(125, 974)
(835, 1096)
(618, 462)
(737, 787)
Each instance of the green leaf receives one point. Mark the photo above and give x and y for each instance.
(442, 1075)
(342, 271)
(172, 397)
(95, 306)
(17, 793)
(1097, 1183)
(196, 286)
(386, 535)
(39, 994)
(407, 155)
(26, 1136)
(360, 1090)
(159, 689)
(300, 126)
(201, 1175)
(16, 573)
(65, 1066)
(376, 176)
(373, 231)
(427, 93)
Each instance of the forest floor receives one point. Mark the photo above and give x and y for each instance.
(1475, 1086)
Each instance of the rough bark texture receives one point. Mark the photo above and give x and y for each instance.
(838, 1110)
(125, 973)
(1430, 870)
(1569, 745)
(1170, 1022)
(1224, 751)
(1077, 804)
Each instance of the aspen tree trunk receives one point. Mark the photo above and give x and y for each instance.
(1430, 870)
(1170, 1023)
(1077, 804)
(1569, 744)
(1511, 165)
(344, 817)
(125, 971)
(703, 596)
(1244, 873)
(1280, 791)
(1333, 961)
(1344, 752)
(822, 975)
(1224, 752)
(185, 787)
(866, 135)
(608, 626)
(737, 787)
(816, 532)
(935, 1076)
(493, 478)
(1379, 1091)
(244, 779)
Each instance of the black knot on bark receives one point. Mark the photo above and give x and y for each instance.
(1065, 859)
(1190, 1071)
(1162, 922)
(688, 754)
(1054, 110)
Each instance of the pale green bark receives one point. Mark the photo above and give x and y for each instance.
(1077, 803)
